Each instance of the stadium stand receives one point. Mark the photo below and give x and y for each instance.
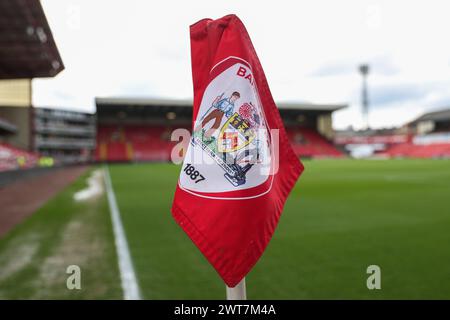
(426, 137)
(12, 158)
(140, 129)
(66, 136)
(308, 142)
(431, 137)
(134, 143)
(27, 51)
(410, 150)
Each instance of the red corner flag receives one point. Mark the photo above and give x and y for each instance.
(239, 167)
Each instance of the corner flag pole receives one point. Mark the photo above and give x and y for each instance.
(237, 293)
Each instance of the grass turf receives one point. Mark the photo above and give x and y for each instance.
(35, 255)
(342, 217)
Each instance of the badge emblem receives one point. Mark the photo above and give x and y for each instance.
(231, 130)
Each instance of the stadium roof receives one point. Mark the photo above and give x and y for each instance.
(441, 115)
(188, 103)
(6, 126)
(310, 106)
(143, 102)
(27, 48)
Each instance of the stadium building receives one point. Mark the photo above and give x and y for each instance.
(428, 136)
(131, 129)
(28, 51)
(64, 135)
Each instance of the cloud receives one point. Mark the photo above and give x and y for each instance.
(427, 94)
(381, 95)
(395, 104)
(310, 51)
(380, 65)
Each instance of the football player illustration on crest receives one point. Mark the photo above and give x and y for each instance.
(220, 107)
(237, 146)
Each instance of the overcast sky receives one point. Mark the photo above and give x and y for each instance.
(309, 50)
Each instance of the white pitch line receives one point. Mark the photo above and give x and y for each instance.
(130, 286)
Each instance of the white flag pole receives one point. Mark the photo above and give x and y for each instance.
(237, 293)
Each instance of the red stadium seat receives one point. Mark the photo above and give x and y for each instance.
(410, 150)
(134, 143)
(152, 143)
(309, 143)
(12, 158)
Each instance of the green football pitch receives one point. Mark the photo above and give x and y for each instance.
(342, 216)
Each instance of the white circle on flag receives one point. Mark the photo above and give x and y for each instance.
(230, 146)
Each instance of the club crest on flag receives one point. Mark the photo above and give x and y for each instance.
(235, 134)
(230, 129)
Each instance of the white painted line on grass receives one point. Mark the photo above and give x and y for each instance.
(127, 275)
